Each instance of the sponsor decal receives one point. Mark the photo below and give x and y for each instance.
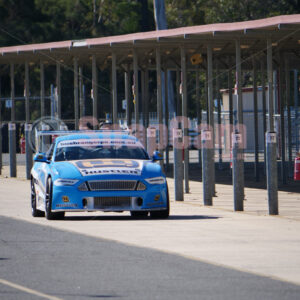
(156, 198)
(65, 198)
(108, 166)
(66, 205)
(97, 143)
(107, 163)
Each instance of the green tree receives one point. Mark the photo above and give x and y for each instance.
(18, 22)
(234, 10)
(65, 19)
(182, 13)
(197, 12)
(119, 17)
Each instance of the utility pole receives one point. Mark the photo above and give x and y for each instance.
(160, 14)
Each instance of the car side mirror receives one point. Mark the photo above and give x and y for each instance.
(41, 157)
(157, 156)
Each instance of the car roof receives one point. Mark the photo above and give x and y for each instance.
(96, 135)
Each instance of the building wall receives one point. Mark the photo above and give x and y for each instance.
(248, 117)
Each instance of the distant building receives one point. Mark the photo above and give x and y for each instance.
(248, 116)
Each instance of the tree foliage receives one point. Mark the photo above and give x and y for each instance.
(38, 21)
(197, 12)
(33, 21)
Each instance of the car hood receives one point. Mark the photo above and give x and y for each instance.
(65, 170)
(115, 167)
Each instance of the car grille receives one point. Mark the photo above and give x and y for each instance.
(112, 185)
(109, 202)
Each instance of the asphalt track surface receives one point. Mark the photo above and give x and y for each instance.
(39, 262)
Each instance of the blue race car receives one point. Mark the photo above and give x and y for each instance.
(98, 171)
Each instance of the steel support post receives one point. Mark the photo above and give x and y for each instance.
(166, 116)
(206, 96)
(238, 139)
(185, 119)
(296, 104)
(26, 88)
(136, 88)
(76, 112)
(143, 100)
(95, 90)
(218, 95)
(143, 103)
(289, 124)
(177, 151)
(42, 87)
(271, 143)
(271, 147)
(0, 143)
(52, 101)
(127, 88)
(58, 87)
(81, 97)
(1, 147)
(147, 98)
(207, 144)
(12, 126)
(256, 149)
(178, 165)
(151, 140)
(237, 161)
(282, 124)
(264, 110)
(159, 100)
(0, 130)
(128, 94)
(28, 149)
(230, 97)
(211, 121)
(199, 112)
(12, 149)
(178, 100)
(114, 88)
(146, 103)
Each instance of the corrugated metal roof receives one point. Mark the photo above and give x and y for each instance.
(272, 24)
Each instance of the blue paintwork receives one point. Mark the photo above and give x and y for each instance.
(42, 170)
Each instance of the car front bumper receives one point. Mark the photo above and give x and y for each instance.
(69, 198)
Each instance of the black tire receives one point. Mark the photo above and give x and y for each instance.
(139, 214)
(162, 214)
(48, 203)
(34, 212)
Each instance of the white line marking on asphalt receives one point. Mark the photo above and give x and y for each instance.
(27, 290)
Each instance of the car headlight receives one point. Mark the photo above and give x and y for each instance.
(156, 180)
(65, 182)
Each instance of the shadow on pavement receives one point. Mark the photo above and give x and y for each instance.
(195, 217)
(88, 296)
(128, 218)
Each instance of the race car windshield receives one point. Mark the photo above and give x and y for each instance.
(97, 148)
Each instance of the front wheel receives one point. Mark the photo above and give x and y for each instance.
(35, 212)
(162, 214)
(48, 204)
